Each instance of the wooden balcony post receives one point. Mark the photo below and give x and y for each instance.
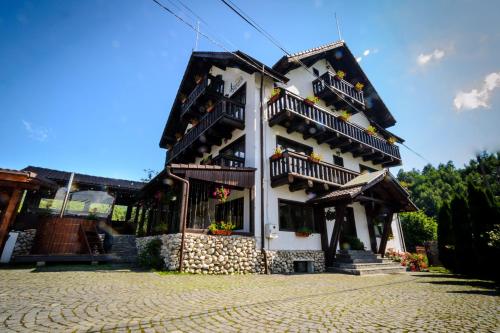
(340, 212)
(385, 232)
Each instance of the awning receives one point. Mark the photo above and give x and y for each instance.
(379, 186)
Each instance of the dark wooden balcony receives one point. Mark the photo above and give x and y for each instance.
(341, 87)
(290, 111)
(209, 87)
(229, 161)
(213, 127)
(300, 173)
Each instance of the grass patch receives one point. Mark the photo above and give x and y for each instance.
(439, 269)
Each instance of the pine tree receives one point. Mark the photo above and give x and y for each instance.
(446, 245)
(462, 231)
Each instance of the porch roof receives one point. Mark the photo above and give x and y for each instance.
(230, 176)
(24, 179)
(379, 186)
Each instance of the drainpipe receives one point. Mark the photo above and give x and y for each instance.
(184, 211)
(262, 238)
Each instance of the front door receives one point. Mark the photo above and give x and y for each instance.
(348, 231)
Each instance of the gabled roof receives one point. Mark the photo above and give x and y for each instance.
(63, 176)
(201, 62)
(339, 55)
(367, 182)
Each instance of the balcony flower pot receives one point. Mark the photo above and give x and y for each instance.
(194, 122)
(302, 233)
(274, 96)
(391, 140)
(183, 98)
(339, 75)
(278, 153)
(370, 130)
(345, 116)
(314, 158)
(311, 100)
(209, 107)
(359, 86)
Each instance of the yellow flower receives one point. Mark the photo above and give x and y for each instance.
(359, 86)
(341, 74)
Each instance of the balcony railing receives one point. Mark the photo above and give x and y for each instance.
(340, 85)
(329, 128)
(229, 161)
(208, 83)
(292, 165)
(226, 112)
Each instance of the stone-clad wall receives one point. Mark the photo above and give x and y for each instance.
(207, 254)
(24, 242)
(281, 261)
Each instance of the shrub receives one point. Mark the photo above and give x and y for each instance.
(355, 243)
(418, 228)
(150, 256)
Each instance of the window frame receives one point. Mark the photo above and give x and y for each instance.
(315, 229)
(307, 149)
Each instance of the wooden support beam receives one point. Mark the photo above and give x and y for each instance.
(385, 232)
(9, 215)
(340, 212)
(372, 210)
(320, 220)
(351, 148)
(376, 155)
(331, 139)
(364, 152)
(313, 132)
(300, 184)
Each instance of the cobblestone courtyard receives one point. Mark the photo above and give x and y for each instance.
(90, 299)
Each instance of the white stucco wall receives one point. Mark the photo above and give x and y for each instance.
(301, 84)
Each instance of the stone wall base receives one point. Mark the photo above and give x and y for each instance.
(24, 242)
(282, 261)
(207, 254)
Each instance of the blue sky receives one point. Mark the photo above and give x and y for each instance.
(87, 85)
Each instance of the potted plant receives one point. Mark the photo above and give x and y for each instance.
(392, 140)
(339, 75)
(178, 136)
(303, 232)
(278, 152)
(275, 94)
(371, 130)
(222, 194)
(311, 100)
(314, 157)
(198, 78)
(209, 106)
(221, 228)
(344, 115)
(194, 122)
(359, 86)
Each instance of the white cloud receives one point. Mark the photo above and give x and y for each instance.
(366, 53)
(35, 133)
(423, 59)
(478, 97)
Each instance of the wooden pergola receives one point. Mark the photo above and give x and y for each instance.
(12, 185)
(379, 192)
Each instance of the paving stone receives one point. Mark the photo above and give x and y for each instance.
(130, 301)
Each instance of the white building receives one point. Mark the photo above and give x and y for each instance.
(231, 114)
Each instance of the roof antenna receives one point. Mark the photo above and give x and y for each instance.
(197, 35)
(338, 26)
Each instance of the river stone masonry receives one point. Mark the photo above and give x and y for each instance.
(207, 254)
(282, 261)
(24, 242)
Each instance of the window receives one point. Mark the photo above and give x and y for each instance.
(240, 95)
(365, 169)
(290, 145)
(315, 71)
(231, 211)
(295, 215)
(233, 155)
(337, 160)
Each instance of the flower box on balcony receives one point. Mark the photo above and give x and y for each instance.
(302, 234)
(278, 153)
(370, 130)
(359, 86)
(339, 75)
(344, 116)
(274, 95)
(314, 158)
(311, 100)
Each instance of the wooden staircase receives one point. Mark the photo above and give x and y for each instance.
(356, 262)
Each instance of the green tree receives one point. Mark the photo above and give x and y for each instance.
(418, 228)
(446, 243)
(462, 231)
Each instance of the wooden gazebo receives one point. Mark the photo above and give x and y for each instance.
(13, 183)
